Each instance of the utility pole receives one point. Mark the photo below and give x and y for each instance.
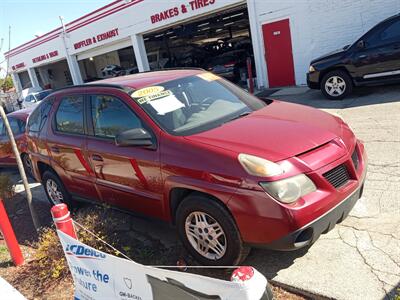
(21, 169)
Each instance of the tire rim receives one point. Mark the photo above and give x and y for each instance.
(53, 191)
(335, 86)
(205, 235)
(28, 164)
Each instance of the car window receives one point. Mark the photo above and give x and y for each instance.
(111, 116)
(29, 98)
(40, 96)
(194, 104)
(39, 116)
(383, 34)
(392, 32)
(69, 116)
(17, 126)
(2, 133)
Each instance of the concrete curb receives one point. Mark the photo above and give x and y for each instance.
(9, 292)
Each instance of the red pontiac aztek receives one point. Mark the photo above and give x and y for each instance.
(228, 170)
(17, 122)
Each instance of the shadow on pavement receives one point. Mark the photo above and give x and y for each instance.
(270, 262)
(360, 97)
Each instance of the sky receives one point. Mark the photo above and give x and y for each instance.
(28, 18)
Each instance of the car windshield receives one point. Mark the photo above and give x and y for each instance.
(194, 104)
(40, 96)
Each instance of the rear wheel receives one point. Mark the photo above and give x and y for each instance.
(336, 85)
(55, 190)
(208, 232)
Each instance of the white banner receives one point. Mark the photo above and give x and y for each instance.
(98, 275)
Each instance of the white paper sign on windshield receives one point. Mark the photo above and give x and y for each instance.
(166, 104)
(98, 275)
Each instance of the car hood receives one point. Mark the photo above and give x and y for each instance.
(276, 132)
(335, 53)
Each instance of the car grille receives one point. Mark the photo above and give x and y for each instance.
(354, 158)
(338, 176)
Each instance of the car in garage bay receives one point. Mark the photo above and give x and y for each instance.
(373, 59)
(228, 170)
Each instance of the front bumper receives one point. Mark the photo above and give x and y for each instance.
(266, 223)
(313, 80)
(310, 233)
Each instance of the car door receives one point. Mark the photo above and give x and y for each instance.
(128, 177)
(378, 55)
(4, 150)
(6, 153)
(66, 143)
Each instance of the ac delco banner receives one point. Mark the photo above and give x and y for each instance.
(98, 275)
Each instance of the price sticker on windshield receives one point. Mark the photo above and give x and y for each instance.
(208, 76)
(147, 91)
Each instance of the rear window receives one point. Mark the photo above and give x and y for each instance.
(69, 116)
(40, 96)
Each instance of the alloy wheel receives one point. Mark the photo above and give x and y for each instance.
(205, 235)
(335, 86)
(54, 192)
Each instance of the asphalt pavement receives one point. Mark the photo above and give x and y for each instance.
(360, 258)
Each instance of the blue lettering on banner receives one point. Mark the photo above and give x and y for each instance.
(83, 252)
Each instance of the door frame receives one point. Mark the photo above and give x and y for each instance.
(262, 45)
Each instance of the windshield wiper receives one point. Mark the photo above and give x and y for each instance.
(243, 114)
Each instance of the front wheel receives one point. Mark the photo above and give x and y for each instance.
(208, 232)
(55, 190)
(336, 85)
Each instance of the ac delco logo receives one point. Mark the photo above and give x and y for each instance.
(83, 252)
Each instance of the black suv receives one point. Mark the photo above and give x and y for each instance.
(372, 60)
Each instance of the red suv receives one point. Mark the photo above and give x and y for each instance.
(228, 170)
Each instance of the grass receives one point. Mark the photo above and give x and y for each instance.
(5, 259)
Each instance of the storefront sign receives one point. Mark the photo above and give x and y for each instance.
(98, 38)
(183, 9)
(98, 275)
(45, 56)
(18, 66)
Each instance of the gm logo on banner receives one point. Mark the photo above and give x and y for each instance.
(82, 252)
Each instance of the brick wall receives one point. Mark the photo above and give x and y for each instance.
(320, 26)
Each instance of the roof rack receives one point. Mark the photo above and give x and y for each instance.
(172, 69)
(108, 85)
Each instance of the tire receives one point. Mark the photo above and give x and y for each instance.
(199, 221)
(336, 85)
(59, 194)
(26, 161)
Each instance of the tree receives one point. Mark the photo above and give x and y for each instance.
(6, 83)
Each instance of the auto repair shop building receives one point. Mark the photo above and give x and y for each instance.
(281, 37)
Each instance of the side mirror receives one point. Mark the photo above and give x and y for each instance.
(134, 137)
(346, 47)
(360, 44)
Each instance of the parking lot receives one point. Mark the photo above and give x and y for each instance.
(360, 258)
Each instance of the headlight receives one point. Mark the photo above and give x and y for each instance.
(290, 189)
(258, 166)
(311, 69)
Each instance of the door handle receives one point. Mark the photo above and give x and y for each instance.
(362, 56)
(97, 157)
(55, 149)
